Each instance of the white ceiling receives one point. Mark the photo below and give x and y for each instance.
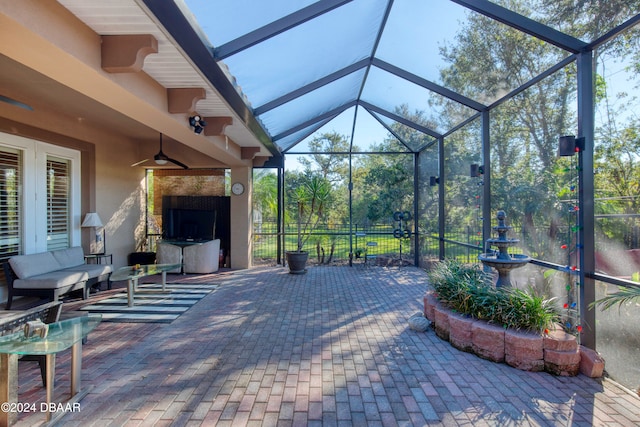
(170, 67)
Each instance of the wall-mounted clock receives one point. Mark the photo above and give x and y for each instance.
(237, 188)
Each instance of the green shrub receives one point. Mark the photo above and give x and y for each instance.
(467, 290)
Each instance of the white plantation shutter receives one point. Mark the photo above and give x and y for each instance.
(11, 170)
(58, 197)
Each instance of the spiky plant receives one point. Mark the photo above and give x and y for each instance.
(529, 311)
(623, 296)
(311, 199)
(468, 290)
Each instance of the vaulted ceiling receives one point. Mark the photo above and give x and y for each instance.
(302, 64)
(271, 74)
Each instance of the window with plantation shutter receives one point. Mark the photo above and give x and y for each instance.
(39, 197)
(10, 202)
(58, 194)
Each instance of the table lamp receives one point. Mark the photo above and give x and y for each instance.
(92, 220)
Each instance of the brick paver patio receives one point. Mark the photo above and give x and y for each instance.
(331, 347)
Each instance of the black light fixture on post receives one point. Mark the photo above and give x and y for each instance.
(434, 180)
(92, 220)
(197, 123)
(476, 170)
(569, 145)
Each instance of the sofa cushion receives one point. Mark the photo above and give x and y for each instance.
(52, 280)
(26, 266)
(69, 257)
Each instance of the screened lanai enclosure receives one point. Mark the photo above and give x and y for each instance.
(418, 120)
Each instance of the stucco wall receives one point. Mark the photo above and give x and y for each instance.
(51, 61)
(119, 197)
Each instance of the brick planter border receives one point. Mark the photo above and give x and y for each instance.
(460, 332)
(555, 352)
(441, 321)
(488, 341)
(524, 350)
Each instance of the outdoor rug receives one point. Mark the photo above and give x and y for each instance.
(151, 304)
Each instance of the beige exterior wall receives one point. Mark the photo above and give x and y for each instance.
(109, 185)
(119, 197)
(51, 61)
(242, 220)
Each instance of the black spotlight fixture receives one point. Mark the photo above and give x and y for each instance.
(434, 180)
(197, 123)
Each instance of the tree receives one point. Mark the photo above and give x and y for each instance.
(265, 192)
(490, 59)
(311, 199)
(387, 179)
(329, 159)
(328, 156)
(321, 184)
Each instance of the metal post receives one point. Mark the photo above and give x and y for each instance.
(351, 210)
(76, 362)
(486, 158)
(416, 200)
(441, 195)
(280, 216)
(586, 238)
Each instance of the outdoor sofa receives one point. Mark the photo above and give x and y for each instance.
(52, 274)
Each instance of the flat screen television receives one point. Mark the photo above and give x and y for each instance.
(188, 224)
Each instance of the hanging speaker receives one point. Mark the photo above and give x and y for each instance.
(567, 145)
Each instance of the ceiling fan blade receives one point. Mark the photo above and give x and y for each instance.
(182, 165)
(139, 163)
(16, 103)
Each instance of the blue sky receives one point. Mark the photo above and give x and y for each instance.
(408, 42)
(415, 31)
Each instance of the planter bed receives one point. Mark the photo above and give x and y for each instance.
(555, 352)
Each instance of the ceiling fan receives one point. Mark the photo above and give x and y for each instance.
(162, 159)
(15, 102)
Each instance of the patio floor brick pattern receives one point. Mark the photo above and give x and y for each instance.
(331, 347)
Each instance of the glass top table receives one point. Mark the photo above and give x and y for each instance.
(133, 273)
(61, 336)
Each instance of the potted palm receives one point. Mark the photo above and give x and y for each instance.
(310, 199)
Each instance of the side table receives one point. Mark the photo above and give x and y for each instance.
(98, 258)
